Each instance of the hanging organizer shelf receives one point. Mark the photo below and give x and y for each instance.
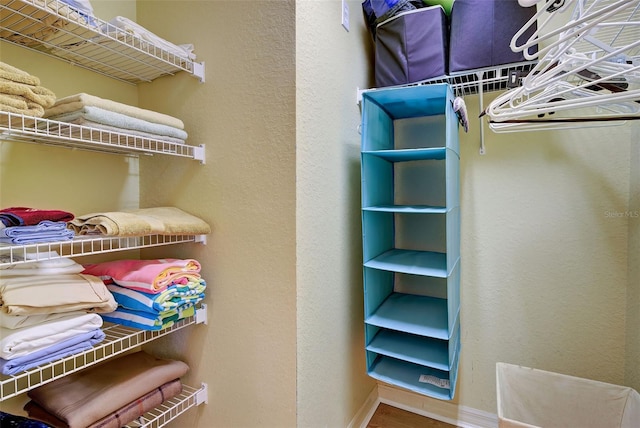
(52, 28)
(87, 246)
(411, 238)
(28, 129)
(119, 339)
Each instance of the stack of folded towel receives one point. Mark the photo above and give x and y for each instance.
(109, 395)
(49, 310)
(108, 115)
(25, 225)
(21, 93)
(151, 294)
(143, 221)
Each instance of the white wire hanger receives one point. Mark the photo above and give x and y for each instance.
(588, 72)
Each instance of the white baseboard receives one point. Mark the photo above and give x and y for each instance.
(444, 411)
(364, 415)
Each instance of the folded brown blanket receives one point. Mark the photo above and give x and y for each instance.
(83, 398)
(144, 221)
(120, 417)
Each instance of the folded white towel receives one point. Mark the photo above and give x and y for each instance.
(78, 101)
(118, 120)
(22, 341)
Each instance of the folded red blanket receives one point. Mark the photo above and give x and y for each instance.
(25, 216)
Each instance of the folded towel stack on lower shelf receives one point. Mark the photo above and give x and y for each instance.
(99, 114)
(49, 311)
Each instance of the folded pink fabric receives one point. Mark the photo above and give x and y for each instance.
(148, 276)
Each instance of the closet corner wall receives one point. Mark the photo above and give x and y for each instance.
(91, 170)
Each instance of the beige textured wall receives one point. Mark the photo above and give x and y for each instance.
(330, 64)
(544, 266)
(245, 116)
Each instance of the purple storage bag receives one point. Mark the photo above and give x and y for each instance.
(481, 32)
(411, 46)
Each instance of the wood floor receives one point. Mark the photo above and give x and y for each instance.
(391, 417)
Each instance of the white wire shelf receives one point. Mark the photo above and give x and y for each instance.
(119, 339)
(52, 28)
(83, 246)
(172, 408)
(29, 129)
(477, 81)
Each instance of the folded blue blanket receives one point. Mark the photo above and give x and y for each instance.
(45, 231)
(51, 353)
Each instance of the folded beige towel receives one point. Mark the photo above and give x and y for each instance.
(14, 74)
(19, 105)
(78, 101)
(37, 94)
(145, 221)
(21, 93)
(43, 294)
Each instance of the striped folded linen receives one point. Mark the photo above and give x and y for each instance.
(74, 345)
(174, 297)
(147, 321)
(82, 398)
(149, 276)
